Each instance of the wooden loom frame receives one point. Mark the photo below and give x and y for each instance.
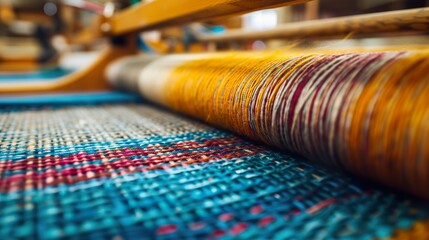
(410, 20)
(124, 24)
(122, 27)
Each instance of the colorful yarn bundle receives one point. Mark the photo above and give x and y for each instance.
(104, 166)
(363, 112)
(132, 171)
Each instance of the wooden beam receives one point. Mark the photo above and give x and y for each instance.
(162, 13)
(91, 78)
(22, 66)
(312, 10)
(366, 24)
(7, 14)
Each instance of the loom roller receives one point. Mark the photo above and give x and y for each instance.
(121, 31)
(148, 75)
(185, 84)
(151, 76)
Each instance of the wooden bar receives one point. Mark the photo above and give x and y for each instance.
(375, 23)
(312, 10)
(162, 13)
(14, 66)
(158, 13)
(88, 79)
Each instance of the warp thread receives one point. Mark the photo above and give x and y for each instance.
(364, 112)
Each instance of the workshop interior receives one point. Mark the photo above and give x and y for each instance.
(214, 119)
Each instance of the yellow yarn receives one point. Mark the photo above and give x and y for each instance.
(420, 230)
(375, 125)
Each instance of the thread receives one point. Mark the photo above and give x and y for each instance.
(363, 112)
(108, 171)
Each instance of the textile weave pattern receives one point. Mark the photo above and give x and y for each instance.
(127, 171)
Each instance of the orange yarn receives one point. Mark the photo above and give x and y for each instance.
(364, 112)
(418, 231)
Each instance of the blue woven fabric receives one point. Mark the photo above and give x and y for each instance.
(42, 75)
(133, 171)
(69, 99)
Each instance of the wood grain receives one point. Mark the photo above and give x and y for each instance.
(367, 24)
(163, 13)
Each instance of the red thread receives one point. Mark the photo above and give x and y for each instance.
(166, 229)
(239, 228)
(226, 217)
(256, 209)
(266, 220)
(218, 233)
(197, 226)
(320, 205)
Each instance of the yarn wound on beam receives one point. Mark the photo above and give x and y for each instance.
(363, 112)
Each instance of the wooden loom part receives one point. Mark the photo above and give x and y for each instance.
(387, 22)
(147, 16)
(13, 64)
(88, 79)
(23, 64)
(130, 20)
(141, 17)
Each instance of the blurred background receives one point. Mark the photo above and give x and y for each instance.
(48, 30)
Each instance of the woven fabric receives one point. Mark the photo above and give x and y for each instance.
(132, 171)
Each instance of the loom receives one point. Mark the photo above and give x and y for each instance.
(292, 144)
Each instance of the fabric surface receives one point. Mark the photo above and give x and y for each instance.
(133, 171)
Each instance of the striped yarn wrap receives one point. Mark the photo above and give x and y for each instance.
(363, 112)
(134, 171)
